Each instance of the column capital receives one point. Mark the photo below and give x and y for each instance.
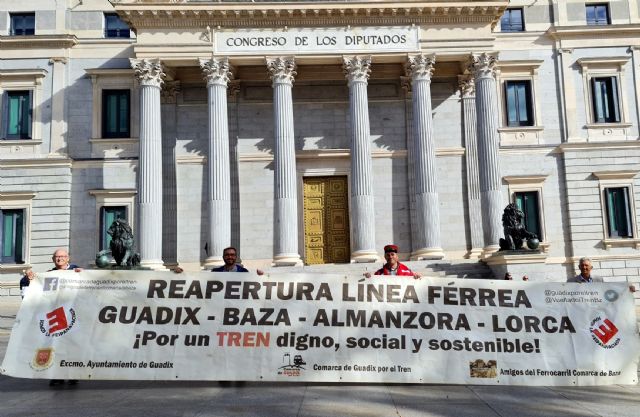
(420, 67)
(169, 92)
(217, 71)
(58, 59)
(356, 68)
(483, 65)
(233, 88)
(467, 86)
(281, 69)
(148, 71)
(405, 83)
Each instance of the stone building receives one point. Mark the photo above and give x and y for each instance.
(315, 132)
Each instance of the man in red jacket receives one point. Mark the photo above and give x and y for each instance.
(393, 267)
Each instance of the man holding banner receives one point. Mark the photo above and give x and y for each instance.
(585, 276)
(393, 266)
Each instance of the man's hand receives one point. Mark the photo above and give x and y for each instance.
(632, 288)
(178, 270)
(259, 272)
(367, 274)
(77, 269)
(417, 275)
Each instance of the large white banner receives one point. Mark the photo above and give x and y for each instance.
(318, 327)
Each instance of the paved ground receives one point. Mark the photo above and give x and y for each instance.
(24, 397)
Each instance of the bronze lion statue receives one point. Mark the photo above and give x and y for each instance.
(514, 231)
(122, 243)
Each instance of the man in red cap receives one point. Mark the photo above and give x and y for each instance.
(393, 267)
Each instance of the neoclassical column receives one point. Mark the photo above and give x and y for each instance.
(168, 100)
(282, 71)
(468, 97)
(58, 143)
(427, 230)
(483, 69)
(149, 73)
(217, 72)
(362, 220)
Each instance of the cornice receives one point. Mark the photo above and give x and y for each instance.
(110, 71)
(23, 73)
(584, 31)
(43, 163)
(38, 41)
(17, 195)
(615, 175)
(525, 179)
(597, 146)
(164, 13)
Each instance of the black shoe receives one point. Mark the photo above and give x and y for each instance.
(54, 382)
(72, 382)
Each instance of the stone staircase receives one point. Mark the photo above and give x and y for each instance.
(465, 269)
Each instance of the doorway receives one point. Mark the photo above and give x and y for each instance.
(326, 220)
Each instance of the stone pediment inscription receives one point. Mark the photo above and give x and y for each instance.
(297, 41)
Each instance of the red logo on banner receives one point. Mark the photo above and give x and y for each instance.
(603, 332)
(57, 320)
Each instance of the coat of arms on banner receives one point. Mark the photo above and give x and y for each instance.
(43, 359)
(482, 369)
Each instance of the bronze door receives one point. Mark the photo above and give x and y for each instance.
(326, 220)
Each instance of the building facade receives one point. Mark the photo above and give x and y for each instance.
(315, 132)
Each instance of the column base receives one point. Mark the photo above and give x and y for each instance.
(287, 259)
(427, 254)
(153, 264)
(487, 251)
(474, 253)
(212, 261)
(364, 256)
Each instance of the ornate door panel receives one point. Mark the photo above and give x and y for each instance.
(326, 220)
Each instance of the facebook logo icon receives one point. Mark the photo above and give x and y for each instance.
(50, 284)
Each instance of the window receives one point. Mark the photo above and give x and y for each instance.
(111, 204)
(528, 203)
(518, 103)
(115, 113)
(526, 191)
(618, 212)
(108, 214)
(618, 208)
(23, 24)
(512, 21)
(605, 100)
(17, 114)
(12, 236)
(598, 14)
(114, 27)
